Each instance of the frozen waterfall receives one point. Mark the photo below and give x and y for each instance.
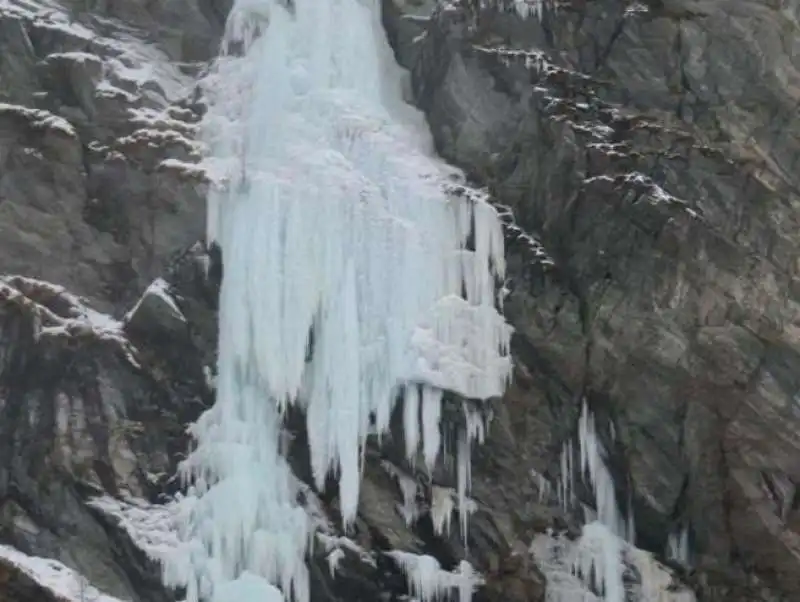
(351, 279)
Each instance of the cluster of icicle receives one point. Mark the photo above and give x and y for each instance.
(600, 560)
(351, 279)
(524, 8)
(592, 569)
(570, 566)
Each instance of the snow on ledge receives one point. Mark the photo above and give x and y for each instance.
(151, 527)
(126, 58)
(159, 289)
(62, 581)
(40, 119)
(62, 314)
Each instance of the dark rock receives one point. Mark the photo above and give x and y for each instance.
(156, 312)
(651, 156)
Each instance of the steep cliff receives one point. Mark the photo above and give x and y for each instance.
(649, 149)
(641, 154)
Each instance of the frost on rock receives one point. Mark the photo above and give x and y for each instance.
(349, 274)
(58, 314)
(128, 62)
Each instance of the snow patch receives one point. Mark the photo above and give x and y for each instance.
(62, 581)
(151, 527)
(191, 170)
(40, 119)
(159, 288)
(62, 314)
(127, 59)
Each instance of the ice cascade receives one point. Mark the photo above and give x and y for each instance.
(351, 280)
(598, 557)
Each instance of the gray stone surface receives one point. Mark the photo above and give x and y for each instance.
(93, 100)
(650, 148)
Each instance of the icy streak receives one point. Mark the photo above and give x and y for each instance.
(349, 274)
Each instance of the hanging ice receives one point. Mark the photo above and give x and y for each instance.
(430, 583)
(348, 275)
(585, 570)
(598, 557)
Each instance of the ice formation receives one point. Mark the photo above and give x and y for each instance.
(598, 556)
(579, 571)
(351, 279)
(678, 546)
(429, 582)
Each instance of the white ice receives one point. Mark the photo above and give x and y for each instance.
(349, 274)
(429, 582)
(598, 557)
(585, 570)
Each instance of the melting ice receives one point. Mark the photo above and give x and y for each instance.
(349, 274)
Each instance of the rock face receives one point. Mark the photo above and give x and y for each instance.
(93, 100)
(640, 154)
(649, 147)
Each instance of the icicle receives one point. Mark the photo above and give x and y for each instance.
(607, 527)
(593, 466)
(475, 426)
(589, 570)
(678, 546)
(431, 418)
(442, 507)
(408, 489)
(411, 421)
(330, 211)
(599, 561)
(443, 502)
(543, 486)
(463, 481)
(429, 582)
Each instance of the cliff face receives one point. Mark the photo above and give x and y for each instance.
(93, 97)
(650, 149)
(643, 153)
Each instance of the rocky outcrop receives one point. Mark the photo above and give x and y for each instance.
(97, 140)
(89, 409)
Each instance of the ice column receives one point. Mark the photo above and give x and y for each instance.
(349, 274)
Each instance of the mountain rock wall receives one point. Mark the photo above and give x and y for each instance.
(641, 154)
(650, 149)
